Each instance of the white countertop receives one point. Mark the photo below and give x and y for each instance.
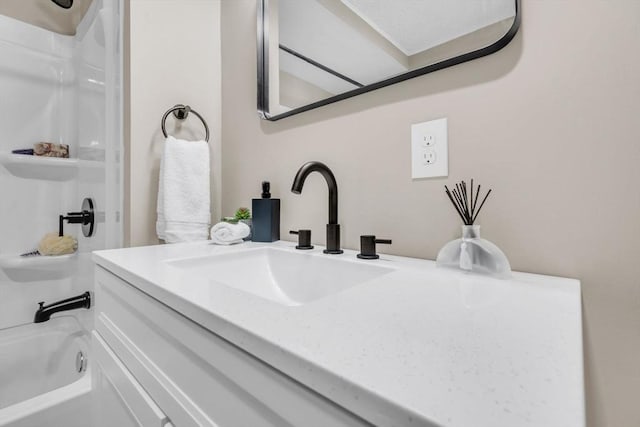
(420, 346)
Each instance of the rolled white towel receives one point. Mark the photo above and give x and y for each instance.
(224, 233)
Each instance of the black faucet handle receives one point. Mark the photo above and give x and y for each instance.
(368, 246)
(304, 239)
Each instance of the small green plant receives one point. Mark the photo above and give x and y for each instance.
(243, 213)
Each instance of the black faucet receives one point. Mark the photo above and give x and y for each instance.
(333, 228)
(45, 311)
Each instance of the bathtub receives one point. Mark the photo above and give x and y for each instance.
(44, 375)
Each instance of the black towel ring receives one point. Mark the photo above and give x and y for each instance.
(181, 112)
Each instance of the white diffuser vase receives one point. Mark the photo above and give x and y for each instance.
(474, 254)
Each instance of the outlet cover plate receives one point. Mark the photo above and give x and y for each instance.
(429, 149)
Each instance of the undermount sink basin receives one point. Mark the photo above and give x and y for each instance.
(288, 278)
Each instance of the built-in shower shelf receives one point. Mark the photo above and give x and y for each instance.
(39, 267)
(47, 168)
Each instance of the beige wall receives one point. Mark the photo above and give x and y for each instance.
(173, 58)
(551, 123)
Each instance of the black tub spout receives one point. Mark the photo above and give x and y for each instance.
(45, 311)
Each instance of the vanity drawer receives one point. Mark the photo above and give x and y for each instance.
(120, 398)
(196, 377)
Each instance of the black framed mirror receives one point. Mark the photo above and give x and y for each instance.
(315, 52)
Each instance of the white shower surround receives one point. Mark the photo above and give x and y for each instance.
(63, 89)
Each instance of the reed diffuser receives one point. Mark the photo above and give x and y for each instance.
(471, 252)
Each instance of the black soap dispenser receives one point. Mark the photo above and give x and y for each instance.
(266, 216)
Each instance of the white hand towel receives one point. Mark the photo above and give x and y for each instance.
(161, 224)
(183, 191)
(224, 233)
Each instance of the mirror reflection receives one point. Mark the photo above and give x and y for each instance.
(325, 50)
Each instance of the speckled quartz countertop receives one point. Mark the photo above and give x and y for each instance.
(420, 346)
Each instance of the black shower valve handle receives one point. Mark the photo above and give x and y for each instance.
(304, 239)
(73, 218)
(368, 246)
(77, 217)
(85, 217)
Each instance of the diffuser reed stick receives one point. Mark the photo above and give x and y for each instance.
(464, 202)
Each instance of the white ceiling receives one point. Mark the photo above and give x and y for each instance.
(417, 25)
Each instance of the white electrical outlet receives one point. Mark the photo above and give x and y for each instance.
(429, 149)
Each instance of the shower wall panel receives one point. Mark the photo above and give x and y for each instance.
(61, 89)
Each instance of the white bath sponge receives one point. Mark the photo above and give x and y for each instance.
(52, 244)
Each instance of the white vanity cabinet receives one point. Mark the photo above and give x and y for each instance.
(155, 367)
